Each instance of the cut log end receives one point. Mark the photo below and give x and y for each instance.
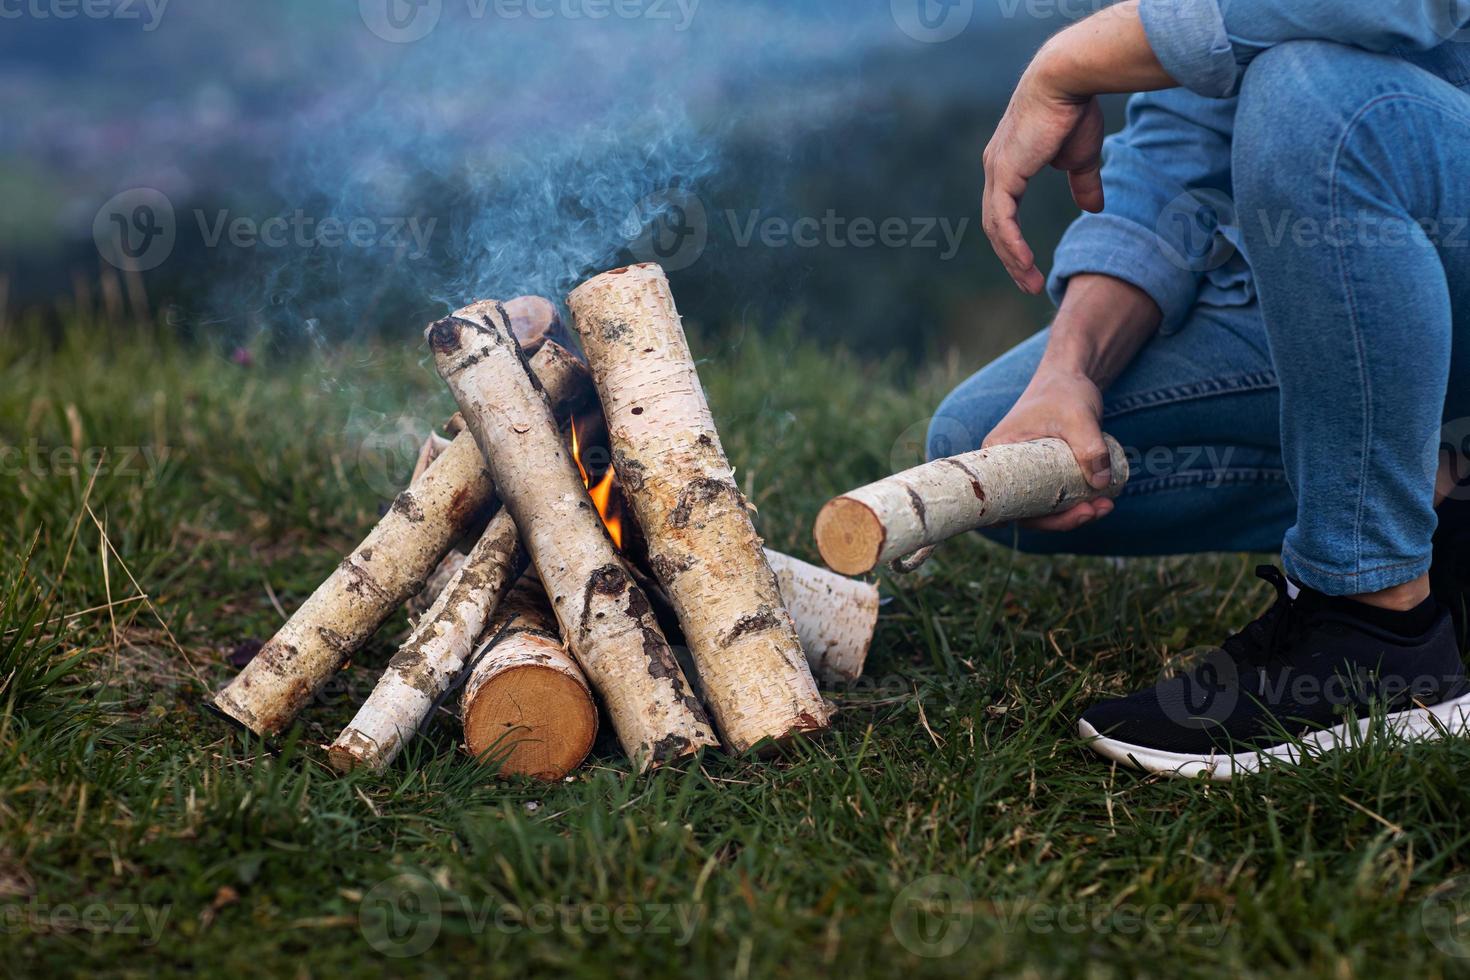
(850, 536)
(532, 721)
(352, 750)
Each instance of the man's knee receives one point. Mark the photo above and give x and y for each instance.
(1299, 97)
(1297, 102)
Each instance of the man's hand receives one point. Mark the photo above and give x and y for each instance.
(1067, 406)
(1102, 324)
(1054, 119)
(1041, 126)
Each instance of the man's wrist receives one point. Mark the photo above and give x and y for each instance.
(1107, 52)
(1102, 323)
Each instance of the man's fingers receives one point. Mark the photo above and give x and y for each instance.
(1081, 158)
(1092, 455)
(1087, 187)
(1003, 192)
(1073, 517)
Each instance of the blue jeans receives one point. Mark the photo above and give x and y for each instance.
(1310, 418)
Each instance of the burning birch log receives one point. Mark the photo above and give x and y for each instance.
(605, 617)
(388, 567)
(703, 548)
(434, 655)
(923, 506)
(835, 616)
(527, 705)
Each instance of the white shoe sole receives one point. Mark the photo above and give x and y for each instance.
(1415, 724)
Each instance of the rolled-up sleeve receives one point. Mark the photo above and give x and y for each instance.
(1205, 45)
(1173, 153)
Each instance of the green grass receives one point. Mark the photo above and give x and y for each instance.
(139, 836)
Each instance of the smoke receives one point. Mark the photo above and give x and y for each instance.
(507, 152)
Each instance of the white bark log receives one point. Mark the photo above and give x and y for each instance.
(703, 548)
(835, 616)
(431, 450)
(605, 617)
(434, 655)
(527, 707)
(389, 566)
(923, 506)
(437, 582)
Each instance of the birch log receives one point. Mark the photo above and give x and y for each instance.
(835, 616)
(923, 506)
(388, 567)
(534, 320)
(702, 546)
(435, 653)
(527, 705)
(436, 583)
(605, 617)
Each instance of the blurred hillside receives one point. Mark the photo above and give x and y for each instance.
(822, 156)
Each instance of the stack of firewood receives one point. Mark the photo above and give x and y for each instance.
(534, 614)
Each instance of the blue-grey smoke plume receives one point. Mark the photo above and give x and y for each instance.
(519, 154)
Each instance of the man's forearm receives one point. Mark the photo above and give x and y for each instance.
(1102, 54)
(1101, 326)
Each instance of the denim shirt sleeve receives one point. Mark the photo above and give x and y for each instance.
(1205, 45)
(1160, 174)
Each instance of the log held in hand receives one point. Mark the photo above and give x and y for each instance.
(921, 507)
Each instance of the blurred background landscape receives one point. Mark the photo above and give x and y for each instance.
(280, 173)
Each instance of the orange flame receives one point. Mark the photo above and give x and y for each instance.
(602, 494)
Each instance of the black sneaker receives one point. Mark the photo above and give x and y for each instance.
(1449, 576)
(1305, 677)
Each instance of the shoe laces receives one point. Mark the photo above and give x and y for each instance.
(1263, 640)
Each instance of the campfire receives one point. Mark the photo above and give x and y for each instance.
(606, 496)
(543, 579)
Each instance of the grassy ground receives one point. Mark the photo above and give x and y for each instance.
(950, 824)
